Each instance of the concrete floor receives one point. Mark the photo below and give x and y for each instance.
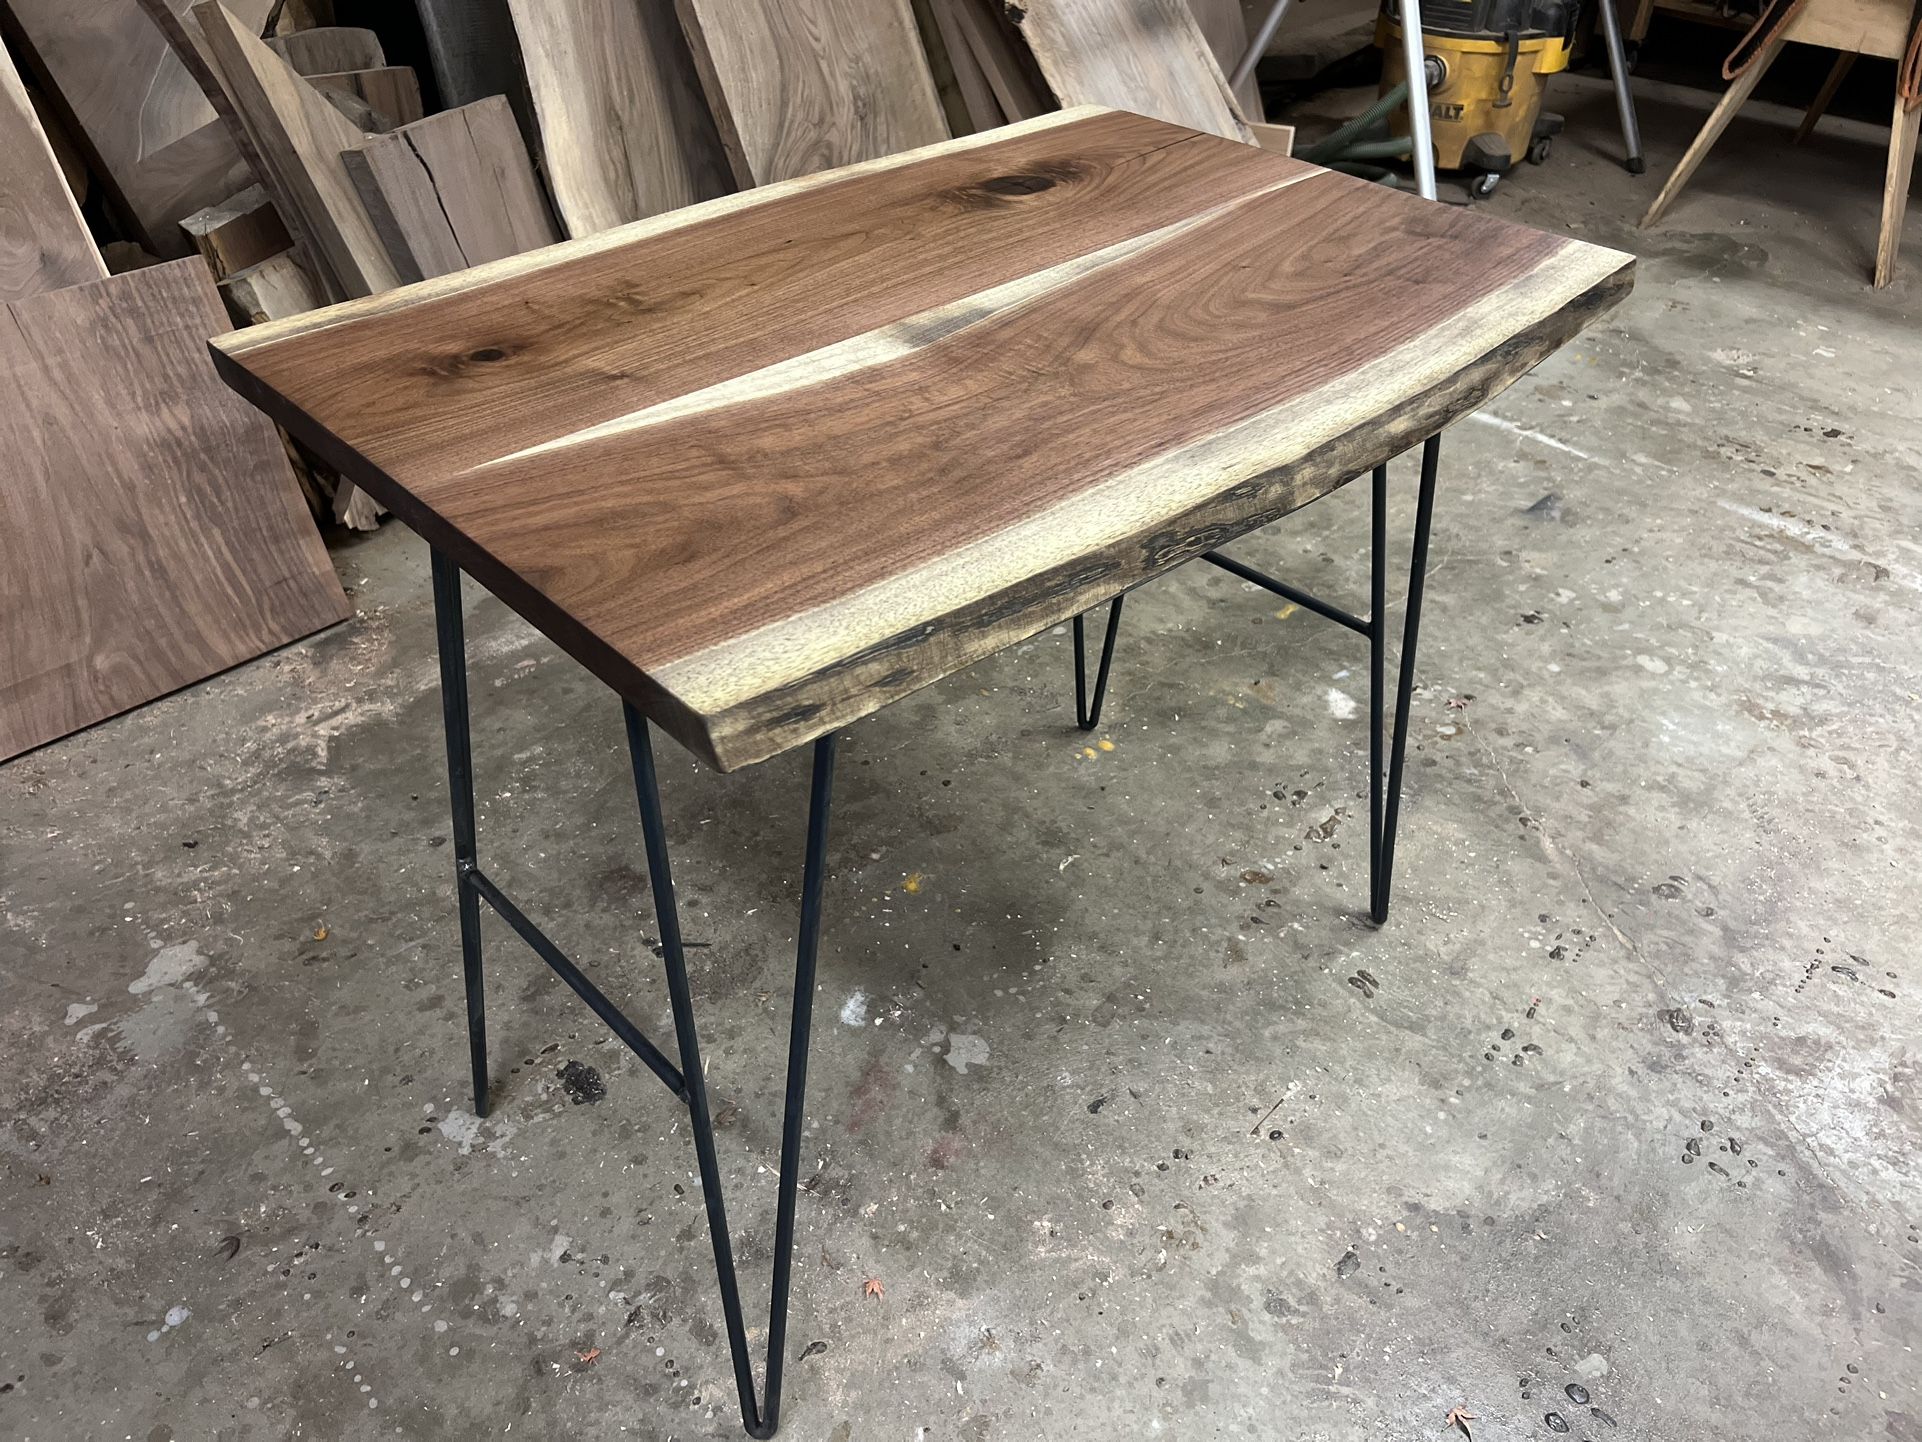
(1098, 1094)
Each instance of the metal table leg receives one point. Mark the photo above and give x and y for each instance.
(687, 1081)
(1384, 789)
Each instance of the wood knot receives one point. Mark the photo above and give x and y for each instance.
(1030, 184)
(488, 353)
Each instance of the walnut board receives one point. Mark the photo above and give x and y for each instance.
(136, 107)
(1225, 28)
(329, 49)
(142, 556)
(1142, 55)
(300, 138)
(392, 92)
(453, 190)
(242, 230)
(625, 132)
(44, 243)
(767, 464)
(798, 86)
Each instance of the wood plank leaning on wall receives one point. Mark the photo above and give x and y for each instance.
(1147, 56)
(300, 138)
(150, 133)
(625, 132)
(798, 86)
(453, 190)
(44, 244)
(142, 556)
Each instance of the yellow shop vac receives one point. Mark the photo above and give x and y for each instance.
(1488, 64)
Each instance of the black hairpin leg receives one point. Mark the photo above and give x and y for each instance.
(1085, 716)
(763, 1419)
(452, 645)
(688, 1080)
(1384, 793)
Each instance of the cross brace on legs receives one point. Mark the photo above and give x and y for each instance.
(688, 1080)
(1384, 801)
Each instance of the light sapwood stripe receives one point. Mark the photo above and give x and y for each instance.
(431, 393)
(891, 342)
(245, 342)
(797, 500)
(1157, 493)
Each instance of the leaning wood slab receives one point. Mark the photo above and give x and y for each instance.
(1146, 55)
(139, 556)
(392, 93)
(766, 464)
(137, 107)
(329, 49)
(44, 243)
(300, 138)
(803, 85)
(624, 130)
(453, 190)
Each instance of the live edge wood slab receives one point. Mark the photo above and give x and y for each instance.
(769, 463)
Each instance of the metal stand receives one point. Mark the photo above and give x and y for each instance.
(1384, 800)
(1618, 76)
(688, 1081)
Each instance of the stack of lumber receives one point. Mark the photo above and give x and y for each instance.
(257, 154)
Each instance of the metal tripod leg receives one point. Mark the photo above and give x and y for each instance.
(762, 1418)
(1618, 74)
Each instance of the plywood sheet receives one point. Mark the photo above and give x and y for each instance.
(1147, 56)
(453, 190)
(766, 465)
(300, 138)
(798, 86)
(625, 132)
(133, 100)
(44, 244)
(137, 557)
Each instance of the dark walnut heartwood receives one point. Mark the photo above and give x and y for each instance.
(768, 463)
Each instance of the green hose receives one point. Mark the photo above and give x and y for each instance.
(1396, 148)
(1322, 151)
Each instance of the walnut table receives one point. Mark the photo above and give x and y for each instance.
(767, 464)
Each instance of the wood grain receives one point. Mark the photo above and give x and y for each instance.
(300, 138)
(137, 557)
(798, 86)
(330, 49)
(453, 190)
(1225, 28)
(978, 103)
(1005, 62)
(625, 132)
(271, 289)
(391, 92)
(851, 434)
(243, 230)
(132, 100)
(1142, 55)
(44, 243)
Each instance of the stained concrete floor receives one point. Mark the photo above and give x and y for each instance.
(1098, 1094)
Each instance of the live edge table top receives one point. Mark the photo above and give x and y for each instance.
(768, 463)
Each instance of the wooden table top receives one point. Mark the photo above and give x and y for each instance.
(768, 463)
